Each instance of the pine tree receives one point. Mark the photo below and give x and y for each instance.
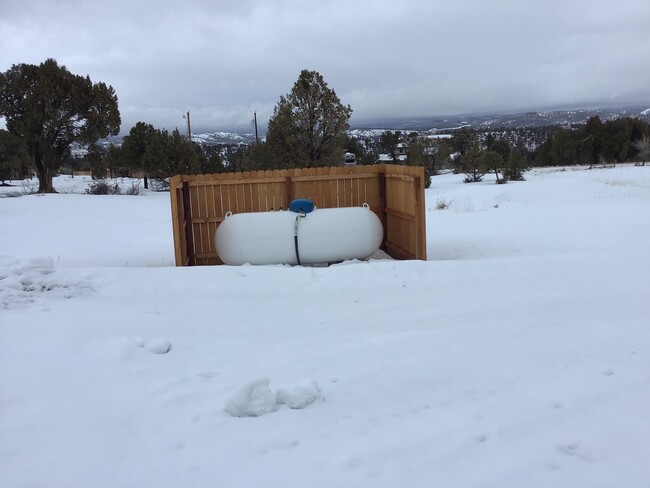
(388, 141)
(49, 108)
(473, 163)
(420, 153)
(115, 162)
(308, 126)
(493, 161)
(135, 145)
(516, 166)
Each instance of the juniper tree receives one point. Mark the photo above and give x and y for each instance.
(49, 108)
(309, 125)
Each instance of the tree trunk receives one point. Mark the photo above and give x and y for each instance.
(146, 182)
(44, 174)
(45, 180)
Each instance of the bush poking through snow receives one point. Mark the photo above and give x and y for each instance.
(442, 204)
(102, 187)
(134, 189)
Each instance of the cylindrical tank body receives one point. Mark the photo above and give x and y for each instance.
(324, 236)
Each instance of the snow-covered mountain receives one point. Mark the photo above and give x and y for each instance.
(508, 121)
(212, 138)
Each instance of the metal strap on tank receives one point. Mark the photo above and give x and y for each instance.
(295, 236)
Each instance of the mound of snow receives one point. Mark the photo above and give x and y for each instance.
(299, 397)
(256, 398)
(23, 280)
(252, 400)
(158, 346)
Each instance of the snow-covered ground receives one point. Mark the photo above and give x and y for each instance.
(518, 355)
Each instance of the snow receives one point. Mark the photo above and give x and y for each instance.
(518, 355)
(252, 400)
(256, 398)
(646, 111)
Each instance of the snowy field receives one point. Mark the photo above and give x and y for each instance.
(517, 356)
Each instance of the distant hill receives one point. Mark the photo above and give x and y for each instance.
(440, 124)
(506, 121)
(214, 138)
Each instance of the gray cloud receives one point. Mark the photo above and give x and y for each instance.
(224, 60)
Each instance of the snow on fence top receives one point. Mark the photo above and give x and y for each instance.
(395, 193)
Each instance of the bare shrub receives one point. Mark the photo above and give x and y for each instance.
(102, 187)
(442, 204)
(134, 189)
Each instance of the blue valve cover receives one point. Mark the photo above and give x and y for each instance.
(301, 205)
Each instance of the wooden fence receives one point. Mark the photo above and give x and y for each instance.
(395, 193)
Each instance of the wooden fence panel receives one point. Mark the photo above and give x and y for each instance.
(395, 193)
(405, 213)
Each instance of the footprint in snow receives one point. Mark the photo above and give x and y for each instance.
(574, 449)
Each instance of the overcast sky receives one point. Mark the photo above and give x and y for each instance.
(223, 60)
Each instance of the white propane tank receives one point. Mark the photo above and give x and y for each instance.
(323, 236)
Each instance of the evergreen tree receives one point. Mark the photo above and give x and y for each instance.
(308, 126)
(420, 153)
(643, 150)
(49, 108)
(564, 148)
(462, 140)
(212, 164)
(515, 166)
(135, 145)
(388, 142)
(95, 159)
(14, 160)
(493, 161)
(168, 155)
(442, 151)
(590, 141)
(473, 163)
(502, 148)
(115, 161)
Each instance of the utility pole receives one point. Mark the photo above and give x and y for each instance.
(189, 129)
(257, 139)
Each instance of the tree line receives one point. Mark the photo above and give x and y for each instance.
(597, 142)
(48, 109)
(477, 153)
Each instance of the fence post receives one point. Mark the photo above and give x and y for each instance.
(189, 226)
(381, 178)
(418, 230)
